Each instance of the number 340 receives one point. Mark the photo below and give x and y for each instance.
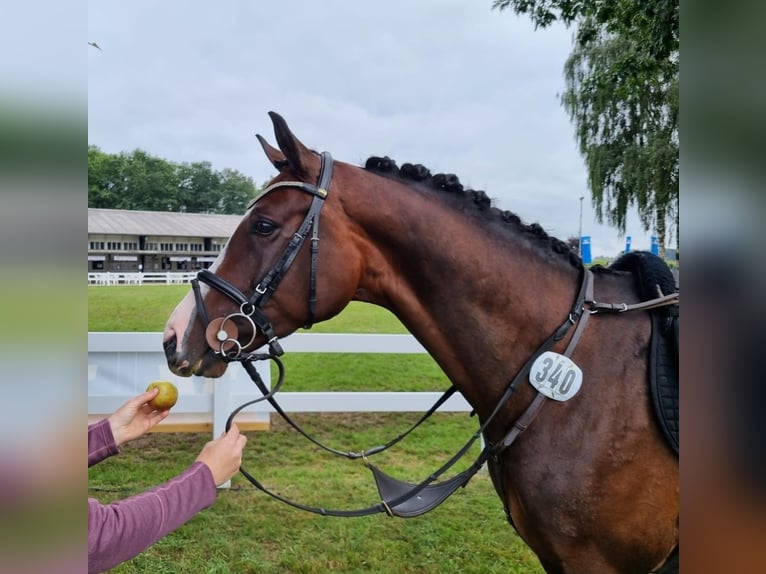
(556, 376)
(553, 377)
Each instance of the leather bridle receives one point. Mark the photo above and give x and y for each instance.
(223, 331)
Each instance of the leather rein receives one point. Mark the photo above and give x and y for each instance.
(397, 498)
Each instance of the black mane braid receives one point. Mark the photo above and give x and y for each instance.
(477, 200)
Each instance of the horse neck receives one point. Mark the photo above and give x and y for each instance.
(479, 299)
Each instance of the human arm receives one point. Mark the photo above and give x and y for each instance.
(100, 442)
(128, 422)
(120, 531)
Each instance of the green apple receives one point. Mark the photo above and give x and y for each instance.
(166, 398)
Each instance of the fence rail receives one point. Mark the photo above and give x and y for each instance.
(120, 365)
(139, 278)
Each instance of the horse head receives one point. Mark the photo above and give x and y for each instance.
(271, 277)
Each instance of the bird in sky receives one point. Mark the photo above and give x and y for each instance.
(95, 45)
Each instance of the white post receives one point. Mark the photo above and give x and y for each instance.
(221, 409)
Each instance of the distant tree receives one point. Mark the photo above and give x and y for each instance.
(236, 191)
(150, 183)
(140, 181)
(622, 95)
(199, 187)
(104, 178)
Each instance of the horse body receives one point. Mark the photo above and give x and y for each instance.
(578, 467)
(590, 486)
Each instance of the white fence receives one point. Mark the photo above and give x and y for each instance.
(138, 278)
(120, 365)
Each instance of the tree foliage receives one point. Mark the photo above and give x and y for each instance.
(655, 22)
(626, 121)
(622, 95)
(140, 181)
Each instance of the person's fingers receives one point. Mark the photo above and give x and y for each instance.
(233, 433)
(145, 397)
(136, 402)
(148, 412)
(146, 409)
(158, 416)
(238, 443)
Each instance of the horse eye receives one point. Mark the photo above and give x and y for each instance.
(264, 227)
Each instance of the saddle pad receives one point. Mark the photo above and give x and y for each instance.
(652, 272)
(663, 375)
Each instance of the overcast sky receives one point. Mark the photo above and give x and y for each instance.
(451, 84)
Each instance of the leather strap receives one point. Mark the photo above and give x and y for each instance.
(522, 423)
(247, 308)
(596, 307)
(256, 378)
(268, 284)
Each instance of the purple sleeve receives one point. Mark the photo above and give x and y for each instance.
(120, 531)
(100, 442)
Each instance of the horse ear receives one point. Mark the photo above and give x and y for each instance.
(276, 157)
(294, 151)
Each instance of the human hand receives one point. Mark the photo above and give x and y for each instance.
(135, 417)
(224, 455)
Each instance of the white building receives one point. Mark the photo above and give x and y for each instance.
(122, 240)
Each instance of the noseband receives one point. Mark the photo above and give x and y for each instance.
(222, 333)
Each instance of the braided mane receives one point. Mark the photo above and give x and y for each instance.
(473, 199)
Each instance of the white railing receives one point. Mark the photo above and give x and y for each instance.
(138, 278)
(120, 365)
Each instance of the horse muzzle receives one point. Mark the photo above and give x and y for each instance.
(204, 364)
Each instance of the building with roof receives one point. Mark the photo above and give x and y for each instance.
(125, 241)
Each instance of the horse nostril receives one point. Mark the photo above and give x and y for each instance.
(170, 346)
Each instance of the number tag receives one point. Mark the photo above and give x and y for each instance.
(556, 376)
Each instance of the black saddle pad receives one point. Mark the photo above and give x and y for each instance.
(652, 273)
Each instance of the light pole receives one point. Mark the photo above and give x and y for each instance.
(579, 237)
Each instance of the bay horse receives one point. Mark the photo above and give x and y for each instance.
(591, 485)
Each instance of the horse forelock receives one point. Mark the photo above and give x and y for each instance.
(475, 200)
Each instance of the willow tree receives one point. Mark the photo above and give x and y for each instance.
(627, 130)
(622, 96)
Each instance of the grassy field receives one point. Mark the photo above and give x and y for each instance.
(248, 532)
(135, 308)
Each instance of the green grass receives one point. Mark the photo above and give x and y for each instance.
(138, 308)
(133, 308)
(246, 531)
